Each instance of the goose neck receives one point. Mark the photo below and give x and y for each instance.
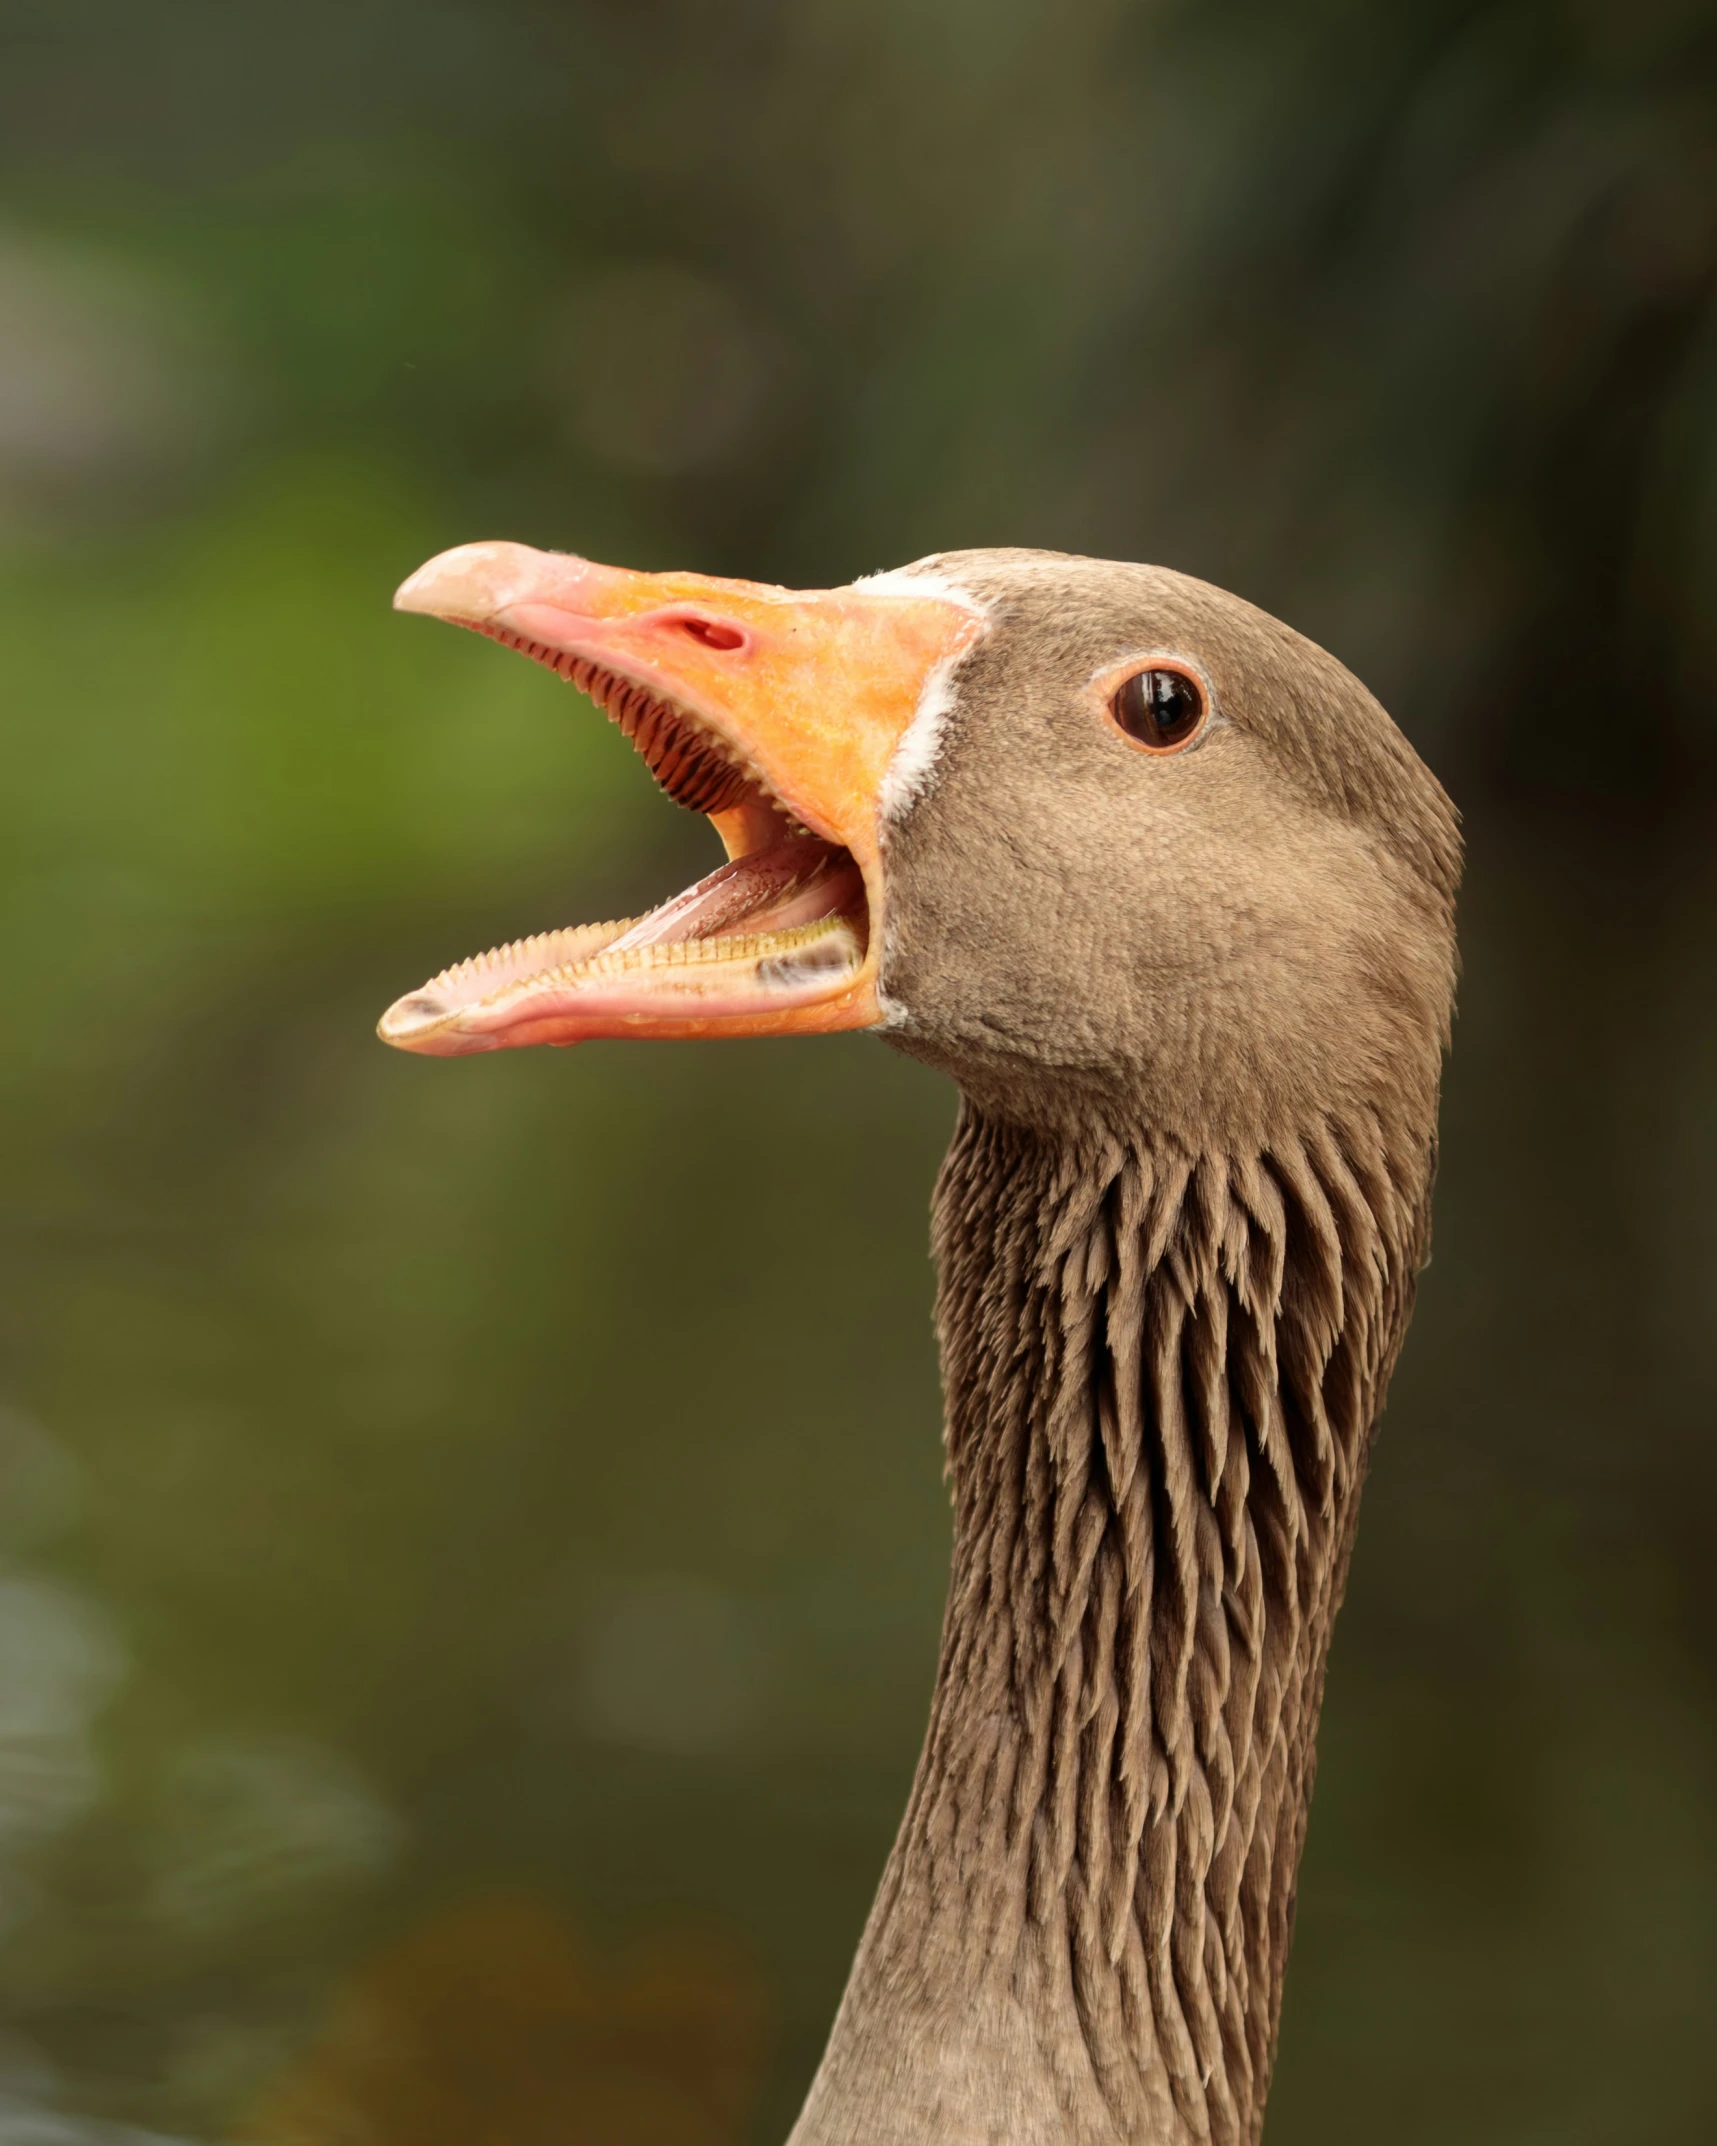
(1161, 1371)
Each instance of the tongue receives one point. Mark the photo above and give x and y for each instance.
(794, 882)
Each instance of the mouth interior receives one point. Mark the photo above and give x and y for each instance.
(784, 921)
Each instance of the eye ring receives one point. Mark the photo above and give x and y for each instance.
(1160, 708)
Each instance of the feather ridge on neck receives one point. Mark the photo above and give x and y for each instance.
(1162, 1372)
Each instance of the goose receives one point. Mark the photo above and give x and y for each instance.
(1162, 888)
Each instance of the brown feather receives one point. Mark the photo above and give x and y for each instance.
(1196, 1009)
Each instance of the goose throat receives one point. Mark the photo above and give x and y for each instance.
(1162, 1372)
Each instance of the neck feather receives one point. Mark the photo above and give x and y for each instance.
(1162, 1370)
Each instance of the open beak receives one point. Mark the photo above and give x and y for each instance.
(774, 712)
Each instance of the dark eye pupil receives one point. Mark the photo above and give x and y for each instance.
(1159, 708)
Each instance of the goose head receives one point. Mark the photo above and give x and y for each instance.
(1090, 836)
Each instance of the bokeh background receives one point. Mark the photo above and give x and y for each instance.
(473, 1533)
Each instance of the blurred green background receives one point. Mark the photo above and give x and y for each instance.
(473, 1535)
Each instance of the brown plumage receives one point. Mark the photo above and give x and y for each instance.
(1196, 1003)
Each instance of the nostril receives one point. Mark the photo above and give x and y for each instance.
(712, 633)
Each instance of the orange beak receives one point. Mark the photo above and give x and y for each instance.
(777, 713)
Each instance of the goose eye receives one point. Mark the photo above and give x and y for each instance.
(1162, 709)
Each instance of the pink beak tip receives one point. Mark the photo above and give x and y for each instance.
(472, 581)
